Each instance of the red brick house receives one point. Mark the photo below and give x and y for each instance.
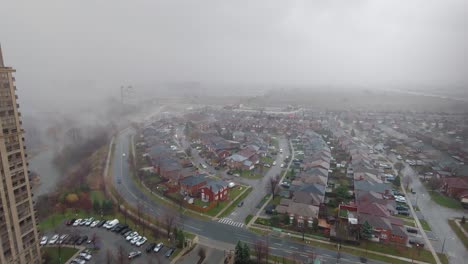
(455, 186)
(191, 185)
(214, 190)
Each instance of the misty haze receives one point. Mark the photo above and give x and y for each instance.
(234, 131)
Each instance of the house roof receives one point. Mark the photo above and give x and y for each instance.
(215, 185)
(372, 186)
(193, 180)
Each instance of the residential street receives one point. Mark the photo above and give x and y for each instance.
(437, 216)
(213, 230)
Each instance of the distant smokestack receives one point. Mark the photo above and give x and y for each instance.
(1, 57)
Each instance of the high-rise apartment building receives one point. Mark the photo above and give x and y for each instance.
(18, 232)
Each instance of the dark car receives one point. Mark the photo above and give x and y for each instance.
(169, 252)
(230, 172)
(412, 230)
(240, 204)
(74, 239)
(150, 247)
(101, 223)
(402, 208)
(120, 228)
(81, 240)
(70, 222)
(128, 232)
(124, 230)
(403, 213)
(116, 227)
(270, 209)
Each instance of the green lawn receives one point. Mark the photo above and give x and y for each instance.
(233, 194)
(409, 222)
(248, 218)
(425, 225)
(266, 160)
(53, 253)
(250, 174)
(234, 204)
(459, 233)
(445, 200)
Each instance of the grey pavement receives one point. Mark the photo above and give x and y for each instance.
(109, 241)
(437, 217)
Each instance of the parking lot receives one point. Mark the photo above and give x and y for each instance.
(108, 243)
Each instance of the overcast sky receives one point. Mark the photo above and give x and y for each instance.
(73, 48)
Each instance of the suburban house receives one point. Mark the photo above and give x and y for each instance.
(191, 185)
(299, 212)
(456, 187)
(245, 159)
(214, 190)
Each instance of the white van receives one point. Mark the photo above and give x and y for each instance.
(112, 223)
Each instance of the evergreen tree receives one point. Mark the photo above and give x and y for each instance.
(245, 254)
(238, 253)
(315, 224)
(397, 181)
(366, 230)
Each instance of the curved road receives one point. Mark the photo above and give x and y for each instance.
(210, 231)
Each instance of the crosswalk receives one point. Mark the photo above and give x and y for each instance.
(228, 221)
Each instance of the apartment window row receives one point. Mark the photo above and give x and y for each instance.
(7, 113)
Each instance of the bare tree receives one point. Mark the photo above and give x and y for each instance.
(435, 183)
(272, 185)
(169, 221)
(261, 251)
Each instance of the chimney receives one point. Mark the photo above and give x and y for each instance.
(1, 57)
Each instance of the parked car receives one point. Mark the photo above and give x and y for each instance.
(101, 223)
(240, 204)
(89, 221)
(158, 247)
(77, 222)
(150, 247)
(44, 240)
(53, 239)
(70, 221)
(127, 233)
(81, 240)
(62, 239)
(282, 165)
(79, 261)
(131, 236)
(94, 223)
(111, 224)
(141, 242)
(125, 230)
(274, 163)
(406, 213)
(169, 252)
(85, 256)
(411, 230)
(134, 254)
(135, 239)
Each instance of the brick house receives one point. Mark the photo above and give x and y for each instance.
(214, 190)
(455, 186)
(191, 185)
